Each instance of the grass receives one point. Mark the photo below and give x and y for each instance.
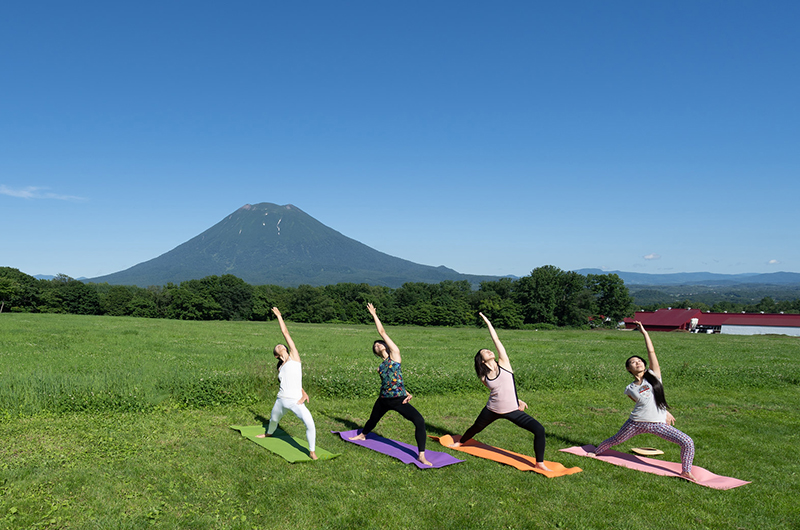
(124, 423)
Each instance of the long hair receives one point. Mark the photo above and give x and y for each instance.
(386, 346)
(480, 368)
(655, 384)
(280, 361)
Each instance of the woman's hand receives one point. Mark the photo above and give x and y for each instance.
(522, 405)
(408, 397)
(670, 419)
(304, 398)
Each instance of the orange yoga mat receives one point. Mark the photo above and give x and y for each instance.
(521, 462)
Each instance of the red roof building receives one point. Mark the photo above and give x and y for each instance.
(696, 321)
(664, 319)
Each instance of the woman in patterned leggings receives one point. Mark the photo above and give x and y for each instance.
(393, 395)
(650, 413)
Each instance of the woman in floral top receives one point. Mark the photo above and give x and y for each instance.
(393, 395)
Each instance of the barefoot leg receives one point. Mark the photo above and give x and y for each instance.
(422, 459)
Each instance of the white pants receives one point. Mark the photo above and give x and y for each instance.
(301, 411)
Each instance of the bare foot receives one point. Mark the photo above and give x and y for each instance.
(423, 459)
(540, 465)
(688, 476)
(265, 435)
(591, 454)
(358, 437)
(455, 445)
(313, 455)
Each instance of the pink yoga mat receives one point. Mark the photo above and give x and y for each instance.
(659, 467)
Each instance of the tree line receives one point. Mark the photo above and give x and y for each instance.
(548, 296)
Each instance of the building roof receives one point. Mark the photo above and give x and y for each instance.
(677, 318)
(665, 317)
(762, 319)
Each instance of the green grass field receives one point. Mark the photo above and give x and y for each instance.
(124, 423)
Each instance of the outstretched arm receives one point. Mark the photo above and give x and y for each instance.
(502, 356)
(293, 353)
(394, 351)
(651, 352)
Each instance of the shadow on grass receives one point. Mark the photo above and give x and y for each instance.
(438, 431)
(259, 417)
(349, 424)
(430, 428)
(569, 442)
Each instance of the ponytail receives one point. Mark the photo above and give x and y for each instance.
(658, 390)
(481, 370)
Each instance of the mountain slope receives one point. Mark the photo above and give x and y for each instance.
(279, 245)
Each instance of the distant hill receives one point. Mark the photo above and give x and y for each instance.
(280, 245)
(701, 278)
(52, 277)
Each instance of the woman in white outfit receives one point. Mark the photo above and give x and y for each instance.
(291, 395)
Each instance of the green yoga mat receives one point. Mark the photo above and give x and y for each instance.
(283, 445)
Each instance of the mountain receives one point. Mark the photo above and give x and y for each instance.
(280, 245)
(701, 278)
(51, 277)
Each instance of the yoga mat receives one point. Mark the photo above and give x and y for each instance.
(521, 462)
(659, 467)
(283, 445)
(404, 452)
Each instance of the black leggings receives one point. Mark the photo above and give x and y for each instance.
(517, 417)
(384, 405)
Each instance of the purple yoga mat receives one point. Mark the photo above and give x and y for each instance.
(404, 452)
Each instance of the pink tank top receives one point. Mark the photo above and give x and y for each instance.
(502, 392)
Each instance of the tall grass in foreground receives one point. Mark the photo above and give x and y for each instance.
(159, 453)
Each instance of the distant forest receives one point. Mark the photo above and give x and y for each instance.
(751, 298)
(548, 297)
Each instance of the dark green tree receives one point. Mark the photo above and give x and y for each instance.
(310, 304)
(611, 295)
(115, 301)
(232, 294)
(73, 296)
(21, 292)
(265, 297)
(192, 301)
(538, 295)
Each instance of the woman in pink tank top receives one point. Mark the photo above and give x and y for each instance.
(495, 372)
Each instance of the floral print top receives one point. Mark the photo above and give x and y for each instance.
(391, 379)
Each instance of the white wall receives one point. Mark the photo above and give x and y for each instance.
(728, 329)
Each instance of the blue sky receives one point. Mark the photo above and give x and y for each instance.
(489, 137)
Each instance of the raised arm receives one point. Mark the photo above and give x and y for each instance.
(502, 356)
(394, 351)
(651, 352)
(293, 353)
